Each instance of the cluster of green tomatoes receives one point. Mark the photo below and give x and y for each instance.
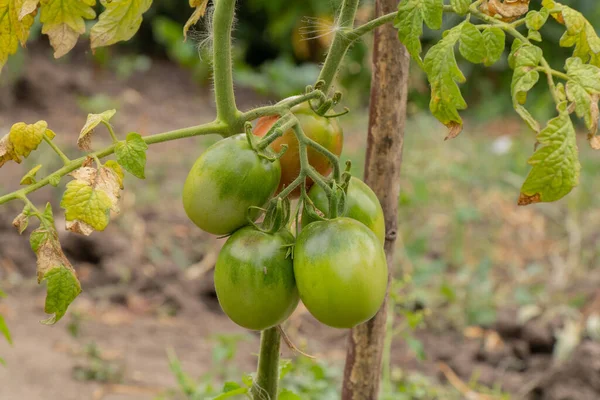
(337, 266)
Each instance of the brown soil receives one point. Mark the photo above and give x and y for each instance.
(151, 263)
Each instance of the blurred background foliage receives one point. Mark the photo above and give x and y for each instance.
(280, 44)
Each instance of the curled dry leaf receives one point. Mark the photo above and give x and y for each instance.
(21, 222)
(84, 142)
(506, 10)
(200, 10)
(595, 142)
(525, 200)
(454, 129)
(7, 151)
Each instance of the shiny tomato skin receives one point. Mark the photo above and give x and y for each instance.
(361, 204)
(325, 131)
(341, 271)
(254, 279)
(228, 178)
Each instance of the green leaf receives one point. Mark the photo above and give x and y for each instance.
(494, 41)
(285, 394)
(231, 394)
(4, 330)
(12, 28)
(535, 20)
(63, 287)
(29, 178)
(524, 59)
(120, 20)
(89, 199)
(579, 32)
(54, 179)
(555, 164)
(471, 44)
(443, 75)
(131, 154)
(409, 22)
(84, 142)
(534, 35)
(583, 90)
(230, 386)
(460, 7)
(64, 21)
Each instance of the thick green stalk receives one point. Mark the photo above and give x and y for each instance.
(267, 377)
(223, 74)
(341, 41)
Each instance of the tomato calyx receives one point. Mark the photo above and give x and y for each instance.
(277, 215)
(261, 149)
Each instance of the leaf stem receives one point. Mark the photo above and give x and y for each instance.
(111, 131)
(267, 376)
(58, 151)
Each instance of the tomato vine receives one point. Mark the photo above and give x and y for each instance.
(555, 165)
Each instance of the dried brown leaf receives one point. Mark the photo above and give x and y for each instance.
(506, 10)
(525, 200)
(454, 129)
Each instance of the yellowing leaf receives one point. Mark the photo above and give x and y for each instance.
(555, 164)
(583, 90)
(54, 268)
(29, 178)
(84, 142)
(12, 29)
(89, 199)
(120, 21)
(579, 32)
(64, 20)
(444, 75)
(200, 10)
(7, 151)
(409, 22)
(26, 138)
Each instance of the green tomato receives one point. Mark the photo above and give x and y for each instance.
(254, 279)
(228, 178)
(341, 271)
(361, 204)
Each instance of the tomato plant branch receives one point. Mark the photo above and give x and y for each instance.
(223, 74)
(282, 107)
(72, 165)
(58, 151)
(265, 384)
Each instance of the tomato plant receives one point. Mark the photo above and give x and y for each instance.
(339, 265)
(341, 271)
(227, 179)
(254, 278)
(324, 130)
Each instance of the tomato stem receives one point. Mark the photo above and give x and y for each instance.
(223, 74)
(267, 376)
